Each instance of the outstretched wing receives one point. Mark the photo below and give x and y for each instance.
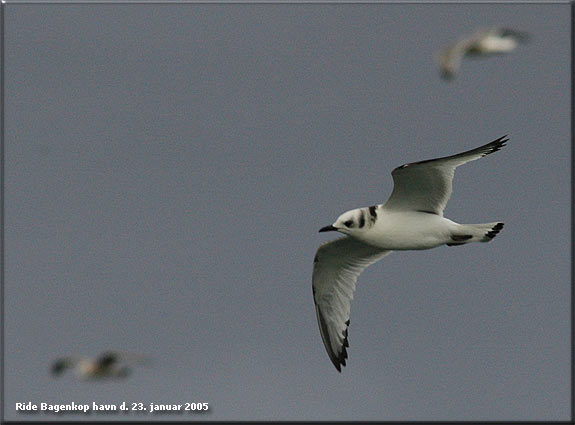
(450, 58)
(427, 185)
(109, 358)
(337, 265)
(60, 365)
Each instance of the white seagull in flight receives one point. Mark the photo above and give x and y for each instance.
(412, 218)
(483, 42)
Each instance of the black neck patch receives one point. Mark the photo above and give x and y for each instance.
(373, 213)
(362, 220)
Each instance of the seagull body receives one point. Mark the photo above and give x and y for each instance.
(110, 364)
(411, 219)
(483, 42)
(396, 230)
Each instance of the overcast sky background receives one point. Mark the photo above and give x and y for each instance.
(167, 168)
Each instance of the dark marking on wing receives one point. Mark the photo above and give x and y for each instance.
(338, 359)
(493, 232)
(362, 220)
(459, 238)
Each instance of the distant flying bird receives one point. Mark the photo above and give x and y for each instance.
(484, 42)
(110, 364)
(411, 219)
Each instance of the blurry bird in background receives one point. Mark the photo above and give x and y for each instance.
(484, 42)
(108, 365)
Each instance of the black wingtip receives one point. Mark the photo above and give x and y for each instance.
(337, 358)
(494, 146)
(499, 143)
(339, 361)
(520, 36)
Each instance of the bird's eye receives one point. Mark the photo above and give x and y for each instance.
(348, 223)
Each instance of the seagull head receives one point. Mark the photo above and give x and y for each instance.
(348, 223)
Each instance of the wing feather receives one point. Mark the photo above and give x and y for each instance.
(427, 185)
(450, 58)
(337, 265)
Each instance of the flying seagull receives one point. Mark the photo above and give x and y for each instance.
(411, 219)
(483, 42)
(110, 364)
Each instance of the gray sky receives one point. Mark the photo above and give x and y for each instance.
(167, 168)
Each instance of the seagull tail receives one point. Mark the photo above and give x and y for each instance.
(484, 232)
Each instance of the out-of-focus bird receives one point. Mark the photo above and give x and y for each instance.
(110, 364)
(484, 42)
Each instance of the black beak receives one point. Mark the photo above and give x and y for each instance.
(328, 228)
